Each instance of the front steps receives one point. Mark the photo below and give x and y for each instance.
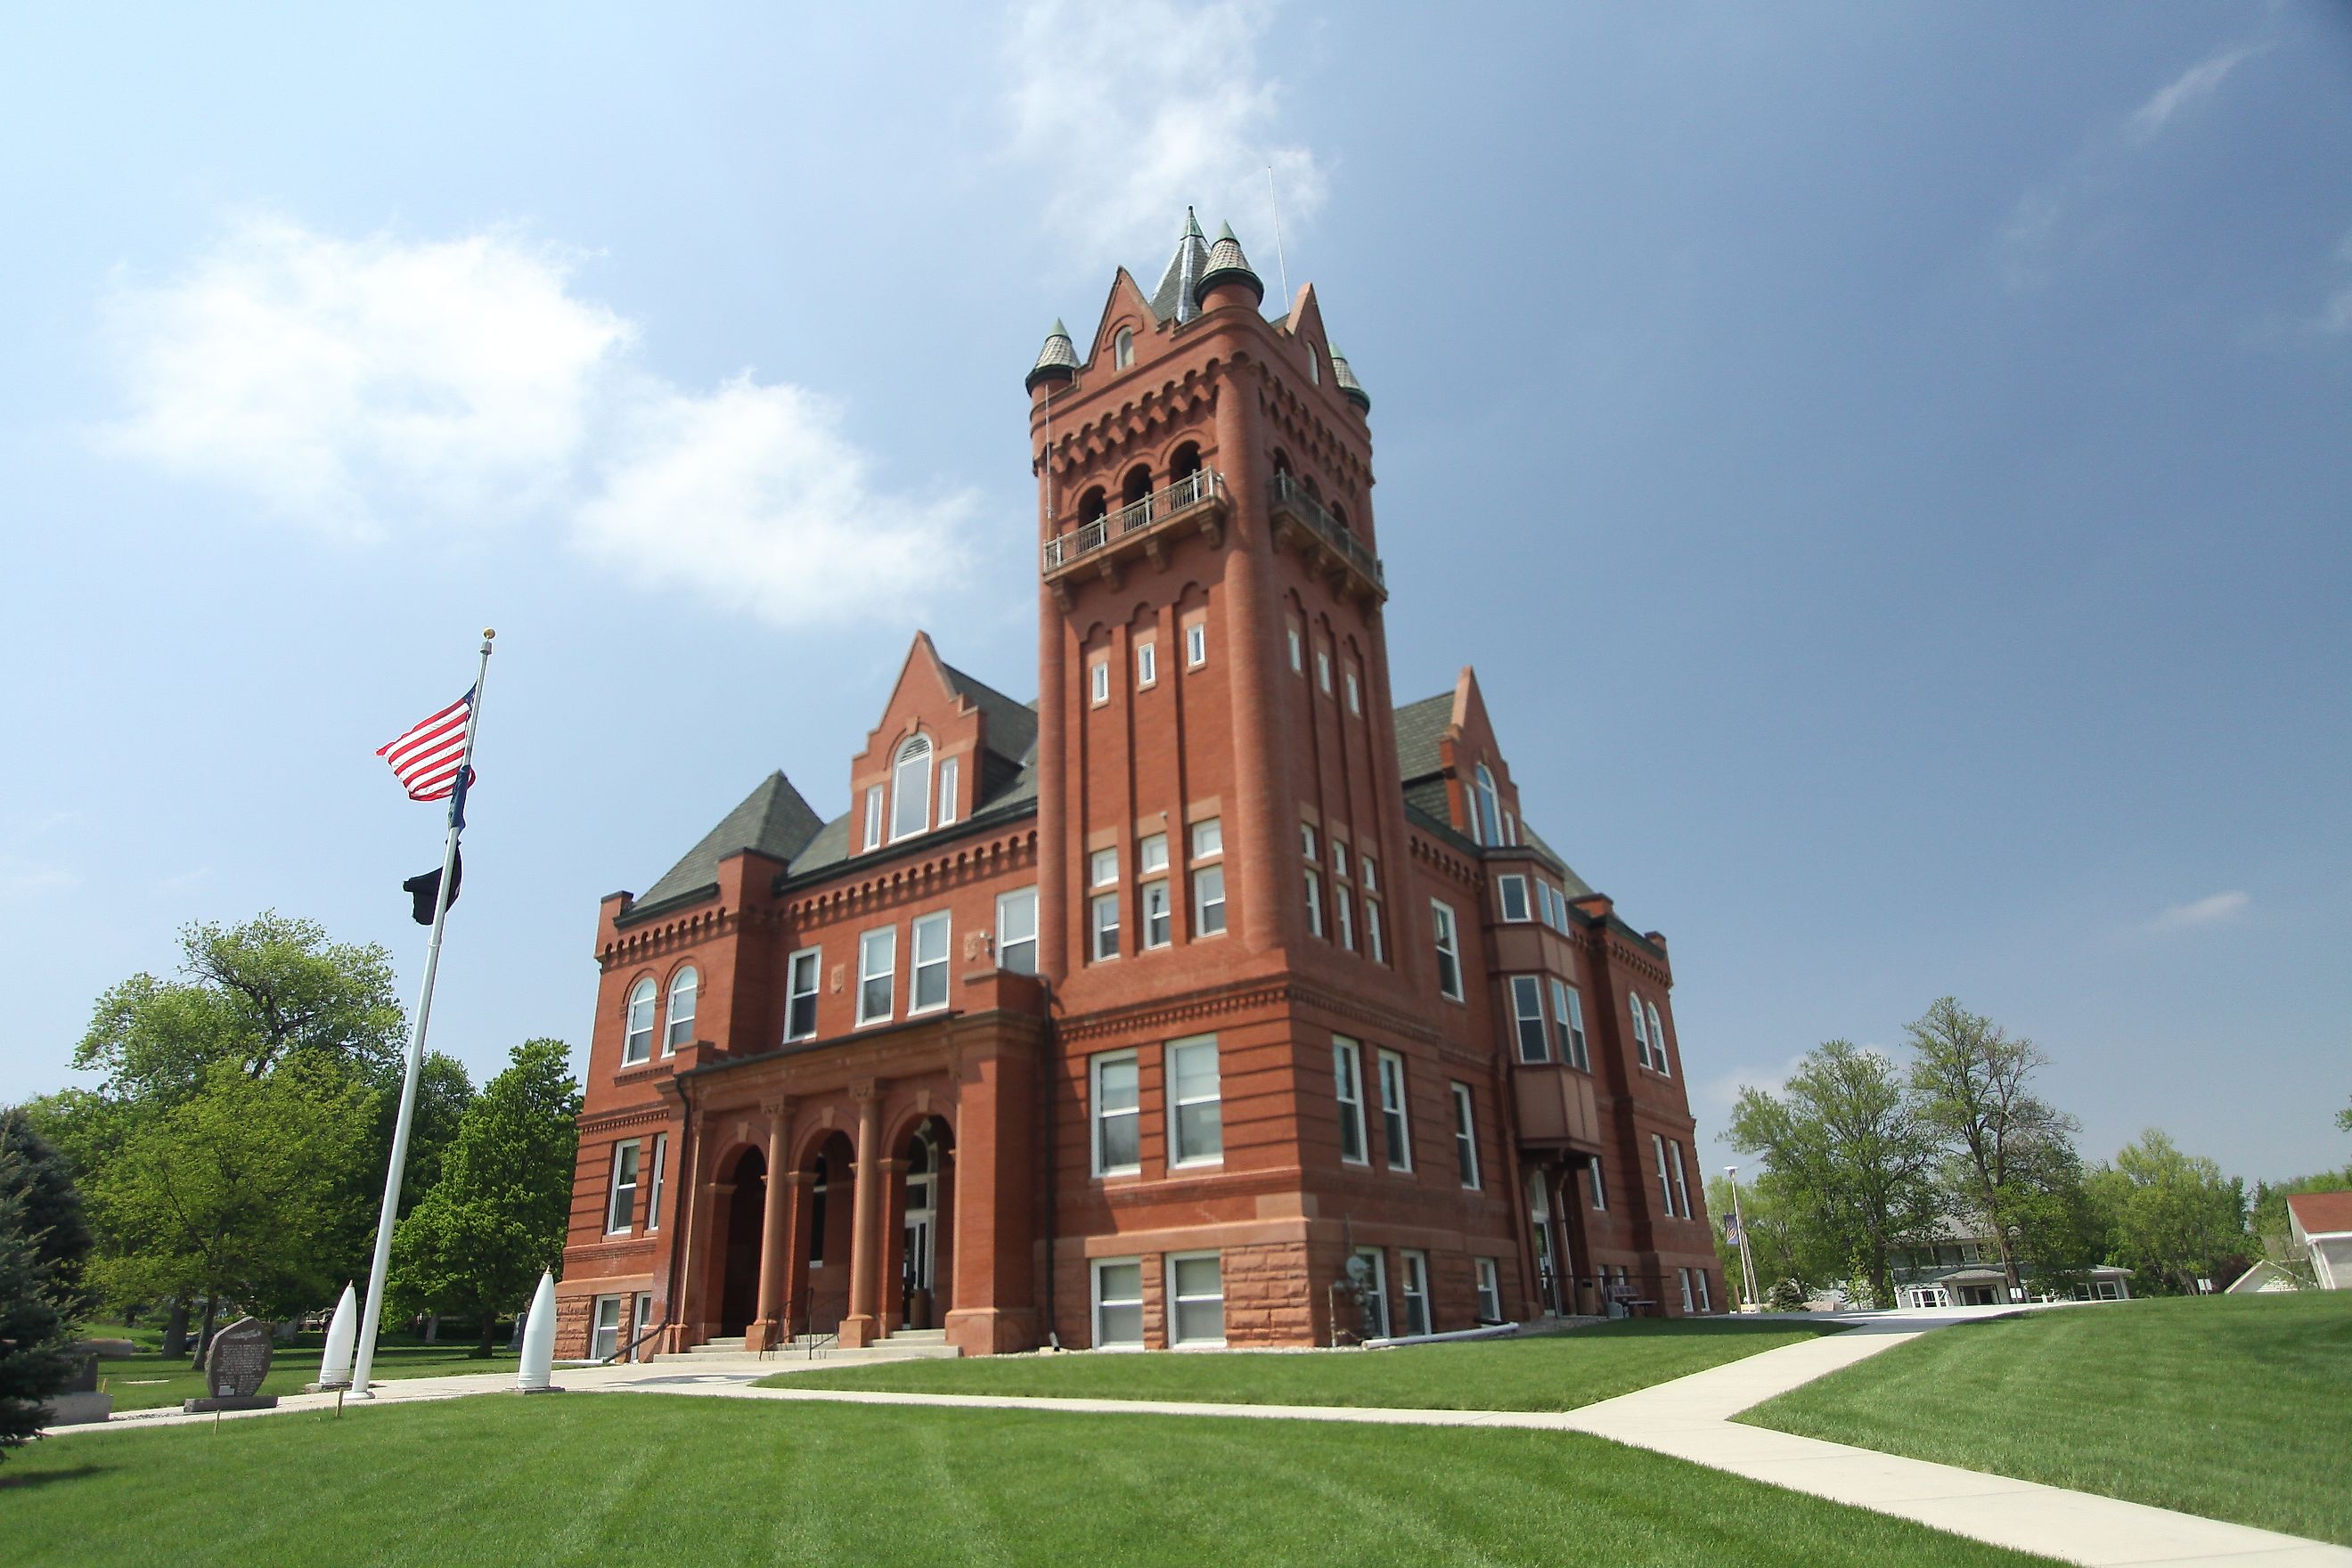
(906, 1345)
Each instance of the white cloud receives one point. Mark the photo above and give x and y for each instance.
(1139, 109)
(2194, 85)
(2199, 914)
(379, 386)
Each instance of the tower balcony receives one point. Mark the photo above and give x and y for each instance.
(1142, 527)
(1299, 519)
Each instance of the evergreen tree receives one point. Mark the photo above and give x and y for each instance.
(43, 1182)
(33, 1330)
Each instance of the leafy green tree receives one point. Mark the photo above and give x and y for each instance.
(1776, 1239)
(477, 1240)
(33, 1326)
(42, 1180)
(1844, 1150)
(2171, 1218)
(2009, 1151)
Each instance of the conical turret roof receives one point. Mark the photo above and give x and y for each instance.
(1350, 387)
(1228, 265)
(1058, 360)
(1178, 297)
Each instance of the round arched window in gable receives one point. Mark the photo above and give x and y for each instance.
(911, 788)
(1122, 349)
(638, 1029)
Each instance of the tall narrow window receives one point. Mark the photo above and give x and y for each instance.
(1122, 349)
(1355, 694)
(1540, 1225)
(1323, 669)
(1449, 953)
(621, 1212)
(1147, 664)
(1490, 1290)
(1339, 857)
(931, 986)
(1641, 1030)
(1344, 907)
(800, 994)
(874, 818)
(1514, 892)
(1016, 932)
(1098, 682)
(1158, 929)
(682, 987)
(1347, 1077)
(605, 1329)
(1488, 809)
(1196, 1300)
(1314, 903)
(1196, 1134)
(878, 964)
(1307, 840)
(1510, 827)
(1375, 1277)
(1415, 1292)
(1103, 918)
(1465, 1135)
(1395, 1132)
(911, 788)
(1568, 1017)
(1118, 1096)
(1371, 872)
(1599, 1186)
(1682, 1192)
(1657, 1037)
(1298, 650)
(638, 1029)
(1196, 644)
(1526, 1014)
(1209, 901)
(1374, 942)
(1705, 1304)
(1666, 1181)
(1118, 1303)
(654, 1185)
(950, 804)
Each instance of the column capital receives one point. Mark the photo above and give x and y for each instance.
(864, 1089)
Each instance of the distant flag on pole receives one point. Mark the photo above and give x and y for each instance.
(428, 757)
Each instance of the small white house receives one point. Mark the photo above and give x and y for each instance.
(2263, 1279)
(2321, 1223)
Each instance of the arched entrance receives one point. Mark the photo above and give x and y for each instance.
(820, 1275)
(924, 1257)
(738, 1292)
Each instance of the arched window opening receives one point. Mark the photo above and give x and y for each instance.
(1340, 516)
(1135, 486)
(1314, 362)
(911, 788)
(682, 988)
(1314, 490)
(1091, 506)
(1282, 462)
(1122, 349)
(638, 1037)
(1489, 827)
(1185, 464)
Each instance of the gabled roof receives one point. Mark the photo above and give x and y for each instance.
(2322, 1213)
(1421, 762)
(1420, 726)
(772, 819)
(1012, 726)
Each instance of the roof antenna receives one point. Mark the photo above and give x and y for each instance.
(1284, 267)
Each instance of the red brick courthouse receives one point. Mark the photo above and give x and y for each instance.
(1211, 998)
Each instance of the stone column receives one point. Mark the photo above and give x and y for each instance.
(891, 1274)
(763, 1332)
(862, 1327)
(800, 1202)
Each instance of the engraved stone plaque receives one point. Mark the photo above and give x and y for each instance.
(234, 1368)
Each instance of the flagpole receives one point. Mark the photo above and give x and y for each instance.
(365, 1362)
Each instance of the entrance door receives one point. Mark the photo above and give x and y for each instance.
(923, 1212)
(1539, 1218)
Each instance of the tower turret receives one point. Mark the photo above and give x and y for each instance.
(1345, 379)
(1229, 279)
(1058, 361)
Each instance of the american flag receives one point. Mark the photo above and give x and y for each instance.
(426, 758)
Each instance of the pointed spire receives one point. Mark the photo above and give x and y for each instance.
(1178, 295)
(1058, 361)
(1228, 265)
(1350, 387)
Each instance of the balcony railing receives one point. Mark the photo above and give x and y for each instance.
(1290, 496)
(1195, 488)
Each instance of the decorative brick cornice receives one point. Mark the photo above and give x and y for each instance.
(625, 1117)
(1172, 1014)
(902, 881)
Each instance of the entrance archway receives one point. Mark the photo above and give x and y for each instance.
(925, 1243)
(821, 1272)
(738, 1292)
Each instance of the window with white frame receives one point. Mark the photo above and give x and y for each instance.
(1527, 1018)
(604, 1332)
(1599, 1186)
(800, 993)
(1449, 952)
(1348, 1083)
(1486, 809)
(1396, 1134)
(1657, 1037)
(1098, 682)
(637, 1030)
(1118, 1303)
(1490, 1290)
(874, 818)
(1158, 928)
(1102, 869)
(949, 803)
(1208, 882)
(1196, 1300)
(1196, 1134)
(929, 990)
(1306, 841)
(1665, 1180)
(1355, 694)
(1118, 1114)
(1122, 349)
(1375, 943)
(680, 1013)
(654, 1183)
(1510, 827)
(1375, 1277)
(1016, 932)
(1370, 869)
(1314, 903)
(1147, 663)
(1298, 650)
(1344, 909)
(878, 966)
(1339, 858)
(1465, 1135)
(1682, 1192)
(1568, 1017)
(1196, 644)
(911, 788)
(1208, 838)
(1414, 1288)
(1103, 925)
(1705, 1300)
(1323, 669)
(621, 1207)
(1641, 1029)
(1513, 890)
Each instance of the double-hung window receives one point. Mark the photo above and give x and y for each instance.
(605, 1329)
(1323, 669)
(1375, 1278)
(1196, 644)
(1151, 863)
(929, 990)
(1514, 892)
(1118, 1303)
(680, 1029)
(1103, 910)
(1449, 952)
(654, 1184)
(637, 1028)
(1600, 1187)
(1641, 1030)
(1371, 870)
(1016, 932)
(1195, 1110)
(1147, 664)
(1682, 1192)
(1347, 1077)
(911, 788)
(874, 818)
(1415, 1292)
(1527, 1016)
(1355, 694)
(1314, 902)
(1395, 1131)
(1298, 650)
(1666, 1181)
(949, 803)
(1196, 1300)
(1375, 943)
(878, 967)
(1208, 880)
(1344, 907)
(1568, 1017)
(621, 1208)
(1683, 1277)
(1490, 1290)
(1118, 1120)
(1098, 682)
(800, 994)
(1657, 1038)
(1465, 1135)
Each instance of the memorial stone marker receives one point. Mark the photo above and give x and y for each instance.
(235, 1366)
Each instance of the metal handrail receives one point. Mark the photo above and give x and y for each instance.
(624, 1351)
(1200, 485)
(1293, 497)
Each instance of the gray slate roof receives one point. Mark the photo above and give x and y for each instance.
(1012, 726)
(1176, 299)
(772, 819)
(1420, 727)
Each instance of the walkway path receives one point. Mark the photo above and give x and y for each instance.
(1689, 1418)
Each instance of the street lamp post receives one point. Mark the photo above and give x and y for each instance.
(1746, 1262)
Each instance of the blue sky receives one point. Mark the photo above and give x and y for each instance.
(1888, 465)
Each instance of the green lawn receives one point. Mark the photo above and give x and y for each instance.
(147, 1380)
(604, 1478)
(1544, 1371)
(2237, 1407)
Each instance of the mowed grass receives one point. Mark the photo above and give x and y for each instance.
(604, 1478)
(2236, 1408)
(1547, 1372)
(146, 1380)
